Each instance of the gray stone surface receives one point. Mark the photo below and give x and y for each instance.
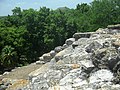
(105, 58)
(81, 35)
(93, 46)
(114, 26)
(58, 49)
(40, 62)
(75, 44)
(47, 57)
(41, 58)
(101, 76)
(69, 41)
(65, 46)
(52, 53)
(92, 62)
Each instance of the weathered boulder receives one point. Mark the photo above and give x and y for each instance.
(110, 87)
(46, 79)
(101, 77)
(81, 35)
(76, 78)
(117, 26)
(5, 73)
(69, 41)
(84, 42)
(40, 62)
(41, 58)
(47, 57)
(71, 76)
(102, 31)
(116, 44)
(58, 49)
(52, 53)
(114, 29)
(39, 71)
(65, 46)
(87, 63)
(75, 44)
(105, 58)
(106, 44)
(93, 46)
(60, 55)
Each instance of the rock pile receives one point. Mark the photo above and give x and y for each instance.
(88, 61)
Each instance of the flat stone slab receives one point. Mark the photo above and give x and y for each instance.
(42, 69)
(117, 26)
(83, 35)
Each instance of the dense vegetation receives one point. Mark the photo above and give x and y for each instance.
(27, 34)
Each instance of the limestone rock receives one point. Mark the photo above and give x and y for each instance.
(6, 73)
(41, 58)
(105, 58)
(69, 41)
(60, 55)
(101, 31)
(42, 69)
(100, 78)
(65, 46)
(93, 46)
(75, 44)
(106, 44)
(58, 49)
(83, 42)
(52, 53)
(40, 62)
(114, 26)
(87, 63)
(46, 79)
(68, 79)
(81, 35)
(116, 44)
(47, 57)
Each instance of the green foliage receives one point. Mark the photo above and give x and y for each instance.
(27, 34)
(8, 57)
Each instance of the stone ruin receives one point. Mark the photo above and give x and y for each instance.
(87, 61)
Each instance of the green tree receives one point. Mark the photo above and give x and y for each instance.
(16, 38)
(104, 12)
(9, 57)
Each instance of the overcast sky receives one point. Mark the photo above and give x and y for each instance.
(7, 5)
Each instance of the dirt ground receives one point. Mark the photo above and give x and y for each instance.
(22, 72)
